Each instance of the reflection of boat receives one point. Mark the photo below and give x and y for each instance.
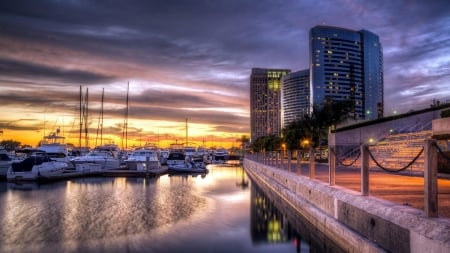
(5, 161)
(141, 158)
(35, 166)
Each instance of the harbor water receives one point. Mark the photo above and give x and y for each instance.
(222, 211)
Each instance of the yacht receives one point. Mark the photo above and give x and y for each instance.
(163, 155)
(176, 158)
(56, 148)
(143, 160)
(220, 155)
(106, 159)
(36, 165)
(5, 161)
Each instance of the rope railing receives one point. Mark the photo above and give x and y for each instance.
(393, 169)
(340, 162)
(441, 152)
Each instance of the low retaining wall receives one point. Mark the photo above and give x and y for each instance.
(355, 222)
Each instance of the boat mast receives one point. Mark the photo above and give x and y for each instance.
(86, 110)
(100, 121)
(81, 120)
(187, 139)
(125, 131)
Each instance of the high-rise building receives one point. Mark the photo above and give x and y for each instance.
(347, 65)
(295, 101)
(265, 102)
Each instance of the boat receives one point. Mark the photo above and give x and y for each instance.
(5, 161)
(163, 155)
(34, 167)
(190, 165)
(105, 158)
(55, 147)
(176, 158)
(220, 155)
(143, 160)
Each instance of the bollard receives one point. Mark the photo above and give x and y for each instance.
(364, 170)
(332, 164)
(299, 164)
(312, 164)
(430, 178)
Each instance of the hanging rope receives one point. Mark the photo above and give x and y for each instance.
(440, 151)
(340, 162)
(390, 169)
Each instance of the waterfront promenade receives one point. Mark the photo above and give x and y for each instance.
(389, 219)
(404, 188)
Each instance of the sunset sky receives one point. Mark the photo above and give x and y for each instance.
(191, 59)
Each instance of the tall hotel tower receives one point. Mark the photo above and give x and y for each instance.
(265, 104)
(347, 64)
(294, 96)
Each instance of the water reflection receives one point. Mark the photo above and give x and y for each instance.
(223, 211)
(274, 221)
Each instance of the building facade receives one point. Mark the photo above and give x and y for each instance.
(295, 102)
(265, 102)
(347, 65)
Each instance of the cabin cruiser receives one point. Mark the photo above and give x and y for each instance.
(163, 155)
(220, 155)
(190, 165)
(189, 151)
(5, 161)
(36, 165)
(56, 148)
(143, 160)
(106, 159)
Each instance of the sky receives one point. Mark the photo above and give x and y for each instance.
(188, 62)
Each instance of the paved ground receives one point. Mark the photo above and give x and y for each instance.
(404, 188)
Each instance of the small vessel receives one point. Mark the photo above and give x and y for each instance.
(163, 155)
(143, 160)
(35, 166)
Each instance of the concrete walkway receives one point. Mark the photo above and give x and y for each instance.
(401, 188)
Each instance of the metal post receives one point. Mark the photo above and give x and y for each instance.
(299, 164)
(430, 177)
(289, 158)
(364, 170)
(332, 163)
(312, 164)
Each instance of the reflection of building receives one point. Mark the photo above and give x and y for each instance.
(347, 65)
(294, 96)
(265, 105)
(267, 223)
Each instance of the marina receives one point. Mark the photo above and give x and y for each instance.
(219, 212)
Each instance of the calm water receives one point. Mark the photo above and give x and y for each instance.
(220, 212)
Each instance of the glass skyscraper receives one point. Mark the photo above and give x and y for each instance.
(265, 102)
(295, 101)
(347, 65)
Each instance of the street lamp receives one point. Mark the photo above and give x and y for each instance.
(284, 150)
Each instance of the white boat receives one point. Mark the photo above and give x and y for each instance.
(220, 155)
(106, 159)
(163, 155)
(35, 166)
(186, 168)
(56, 148)
(5, 161)
(176, 158)
(143, 160)
(190, 151)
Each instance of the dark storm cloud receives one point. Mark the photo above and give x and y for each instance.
(209, 46)
(21, 69)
